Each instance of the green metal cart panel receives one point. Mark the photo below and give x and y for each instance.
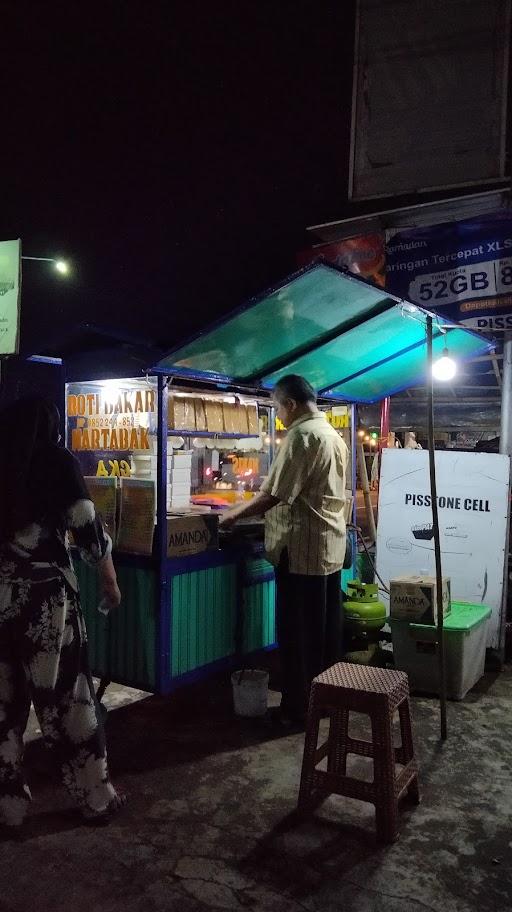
(259, 629)
(203, 617)
(122, 646)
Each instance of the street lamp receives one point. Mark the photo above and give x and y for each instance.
(61, 266)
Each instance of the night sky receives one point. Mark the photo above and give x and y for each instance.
(174, 152)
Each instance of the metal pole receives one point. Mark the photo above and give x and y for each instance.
(353, 479)
(163, 645)
(506, 398)
(437, 540)
(353, 456)
(384, 422)
(370, 516)
(272, 431)
(506, 450)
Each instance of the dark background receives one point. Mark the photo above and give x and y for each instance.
(173, 152)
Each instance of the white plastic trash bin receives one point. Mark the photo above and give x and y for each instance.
(415, 650)
(250, 692)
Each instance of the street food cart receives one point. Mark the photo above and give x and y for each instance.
(159, 452)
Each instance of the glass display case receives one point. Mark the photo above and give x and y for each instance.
(217, 451)
(160, 464)
(219, 448)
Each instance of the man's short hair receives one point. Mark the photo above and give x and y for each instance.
(295, 387)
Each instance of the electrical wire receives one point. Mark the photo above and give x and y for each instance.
(359, 534)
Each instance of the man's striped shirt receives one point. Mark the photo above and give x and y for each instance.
(308, 478)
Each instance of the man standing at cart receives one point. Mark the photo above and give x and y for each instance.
(305, 538)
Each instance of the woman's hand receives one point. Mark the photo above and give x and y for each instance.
(108, 583)
(111, 593)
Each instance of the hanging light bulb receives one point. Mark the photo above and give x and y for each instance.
(445, 367)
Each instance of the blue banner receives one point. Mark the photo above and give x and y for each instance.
(461, 270)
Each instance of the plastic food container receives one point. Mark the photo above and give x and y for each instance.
(465, 636)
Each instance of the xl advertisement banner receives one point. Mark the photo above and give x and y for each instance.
(461, 270)
(362, 256)
(10, 257)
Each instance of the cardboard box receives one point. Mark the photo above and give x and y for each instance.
(179, 487)
(252, 419)
(240, 419)
(181, 413)
(200, 408)
(180, 459)
(192, 534)
(175, 412)
(214, 417)
(228, 411)
(243, 420)
(180, 476)
(414, 599)
(190, 415)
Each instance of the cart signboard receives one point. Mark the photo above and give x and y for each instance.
(473, 495)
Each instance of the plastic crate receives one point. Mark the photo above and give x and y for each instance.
(415, 650)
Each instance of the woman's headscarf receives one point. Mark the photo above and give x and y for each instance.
(28, 429)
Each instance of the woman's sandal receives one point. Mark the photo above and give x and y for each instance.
(103, 818)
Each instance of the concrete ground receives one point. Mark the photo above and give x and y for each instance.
(210, 824)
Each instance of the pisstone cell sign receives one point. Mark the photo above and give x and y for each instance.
(472, 501)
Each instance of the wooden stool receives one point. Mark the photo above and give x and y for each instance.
(378, 693)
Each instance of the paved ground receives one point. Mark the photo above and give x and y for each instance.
(210, 822)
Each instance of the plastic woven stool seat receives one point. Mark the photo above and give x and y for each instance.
(378, 693)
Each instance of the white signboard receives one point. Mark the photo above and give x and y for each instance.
(10, 255)
(473, 492)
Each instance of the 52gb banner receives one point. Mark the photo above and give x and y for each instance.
(462, 270)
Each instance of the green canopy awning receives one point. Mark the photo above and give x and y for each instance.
(350, 339)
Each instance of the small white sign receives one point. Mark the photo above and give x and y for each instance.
(473, 492)
(10, 258)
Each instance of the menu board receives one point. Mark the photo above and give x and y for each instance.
(103, 493)
(136, 516)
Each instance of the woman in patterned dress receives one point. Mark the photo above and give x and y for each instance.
(43, 643)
